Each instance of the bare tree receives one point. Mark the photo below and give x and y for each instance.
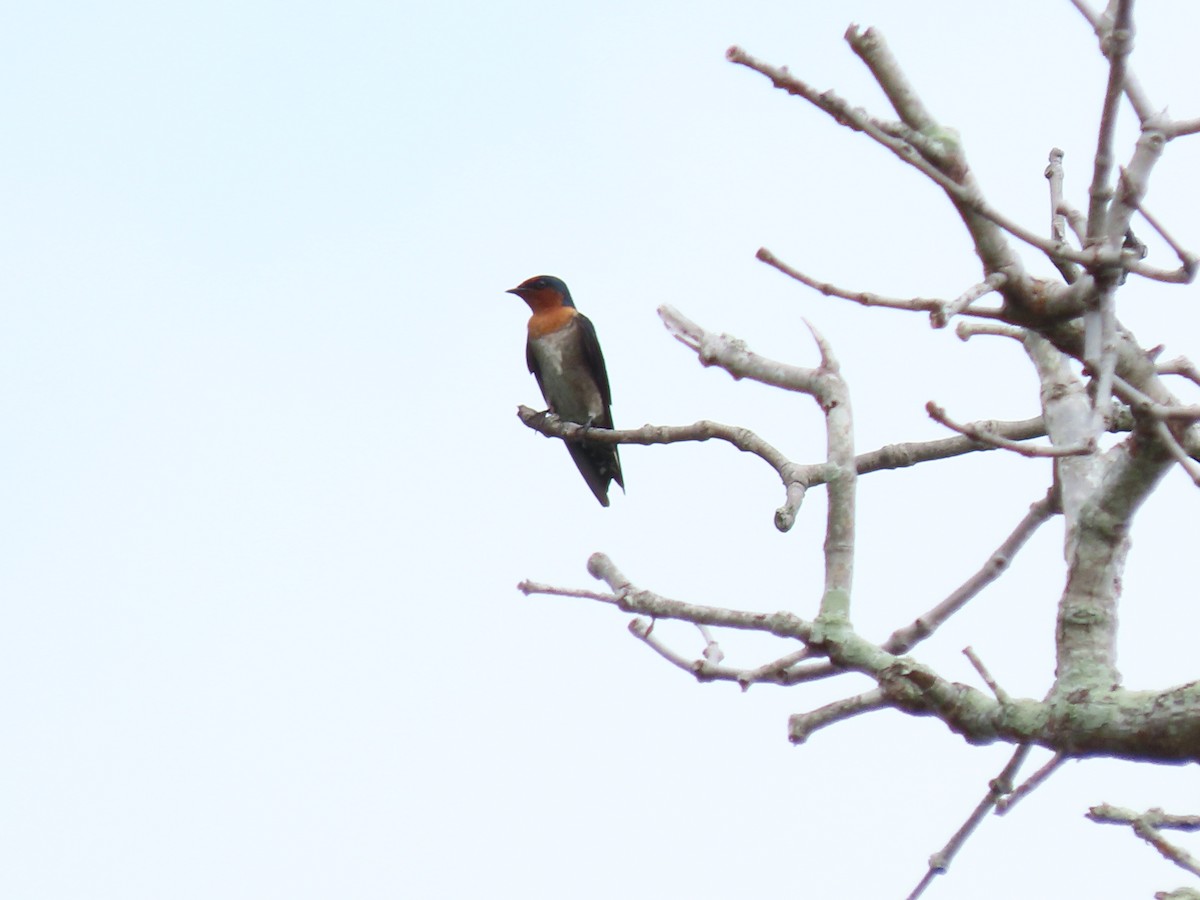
(1096, 380)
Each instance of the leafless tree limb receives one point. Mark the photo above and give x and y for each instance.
(787, 669)
(997, 788)
(796, 477)
(858, 120)
(1058, 218)
(703, 668)
(712, 649)
(1180, 365)
(899, 456)
(998, 691)
(802, 725)
(967, 330)
(1119, 816)
(1086, 645)
(1032, 783)
(1114, 722)
(1103, 26)
(904, 639)
(730, 354)
(866, 298)
(1188, 260)
(1176, 450)
(941, 316)
(776, 670)
(528, 588)
(938, 414)
(1077, 220)
(792, 475)
(1118, 41)
(1185, 127)
(1146, 826)
(1143, 405)
(826, 386)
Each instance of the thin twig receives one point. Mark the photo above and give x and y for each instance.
(999, 692)
(1189, 465)
(1058, 220)
(938, 414)
(866, 298)
(852, 117)
(1076, 219)
(1117, 42)
(1146, 826)
(967, 330)
(997, 788)
(941, 316)
(899, 456)
(1179, 129)
(802, 725)
(1141, 103)
(1100, 321)
(704, 669)
(647, 603)
(529, 588)
(730, 354)
(1032, 783)
(1182, 275)
(904, 639)
(966, 194)
(1187, 259)
(1180, 365)
(1143, 405)
(772, 670)
(1177, 855)
(712, 650)
(1116, 815)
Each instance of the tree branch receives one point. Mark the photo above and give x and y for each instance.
(999, 786)
(1118, 41)
(825, 385)
(1145, 725)
(904, 639)
(1146, 826)
(802, 725)
(1058, 218)
(1087, 623)
(1103, 29)
(792, 475)
(1031, 784)
(866, 298)
(975, 433)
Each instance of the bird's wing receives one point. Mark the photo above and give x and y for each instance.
(531, 361)
(594, 360)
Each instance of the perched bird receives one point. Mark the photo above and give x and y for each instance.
(564, 356)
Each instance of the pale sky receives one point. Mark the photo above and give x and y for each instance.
(266, 500)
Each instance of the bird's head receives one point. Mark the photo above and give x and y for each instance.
(543, 292)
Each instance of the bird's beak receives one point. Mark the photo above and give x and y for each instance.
(519, 291)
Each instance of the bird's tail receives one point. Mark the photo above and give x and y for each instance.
(600, 465)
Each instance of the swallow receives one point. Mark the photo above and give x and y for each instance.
(564, 356)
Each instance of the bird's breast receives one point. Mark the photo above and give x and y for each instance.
(568, 385)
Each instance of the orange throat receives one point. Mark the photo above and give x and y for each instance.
(548, 321)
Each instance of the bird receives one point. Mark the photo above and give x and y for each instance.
(564, 356)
